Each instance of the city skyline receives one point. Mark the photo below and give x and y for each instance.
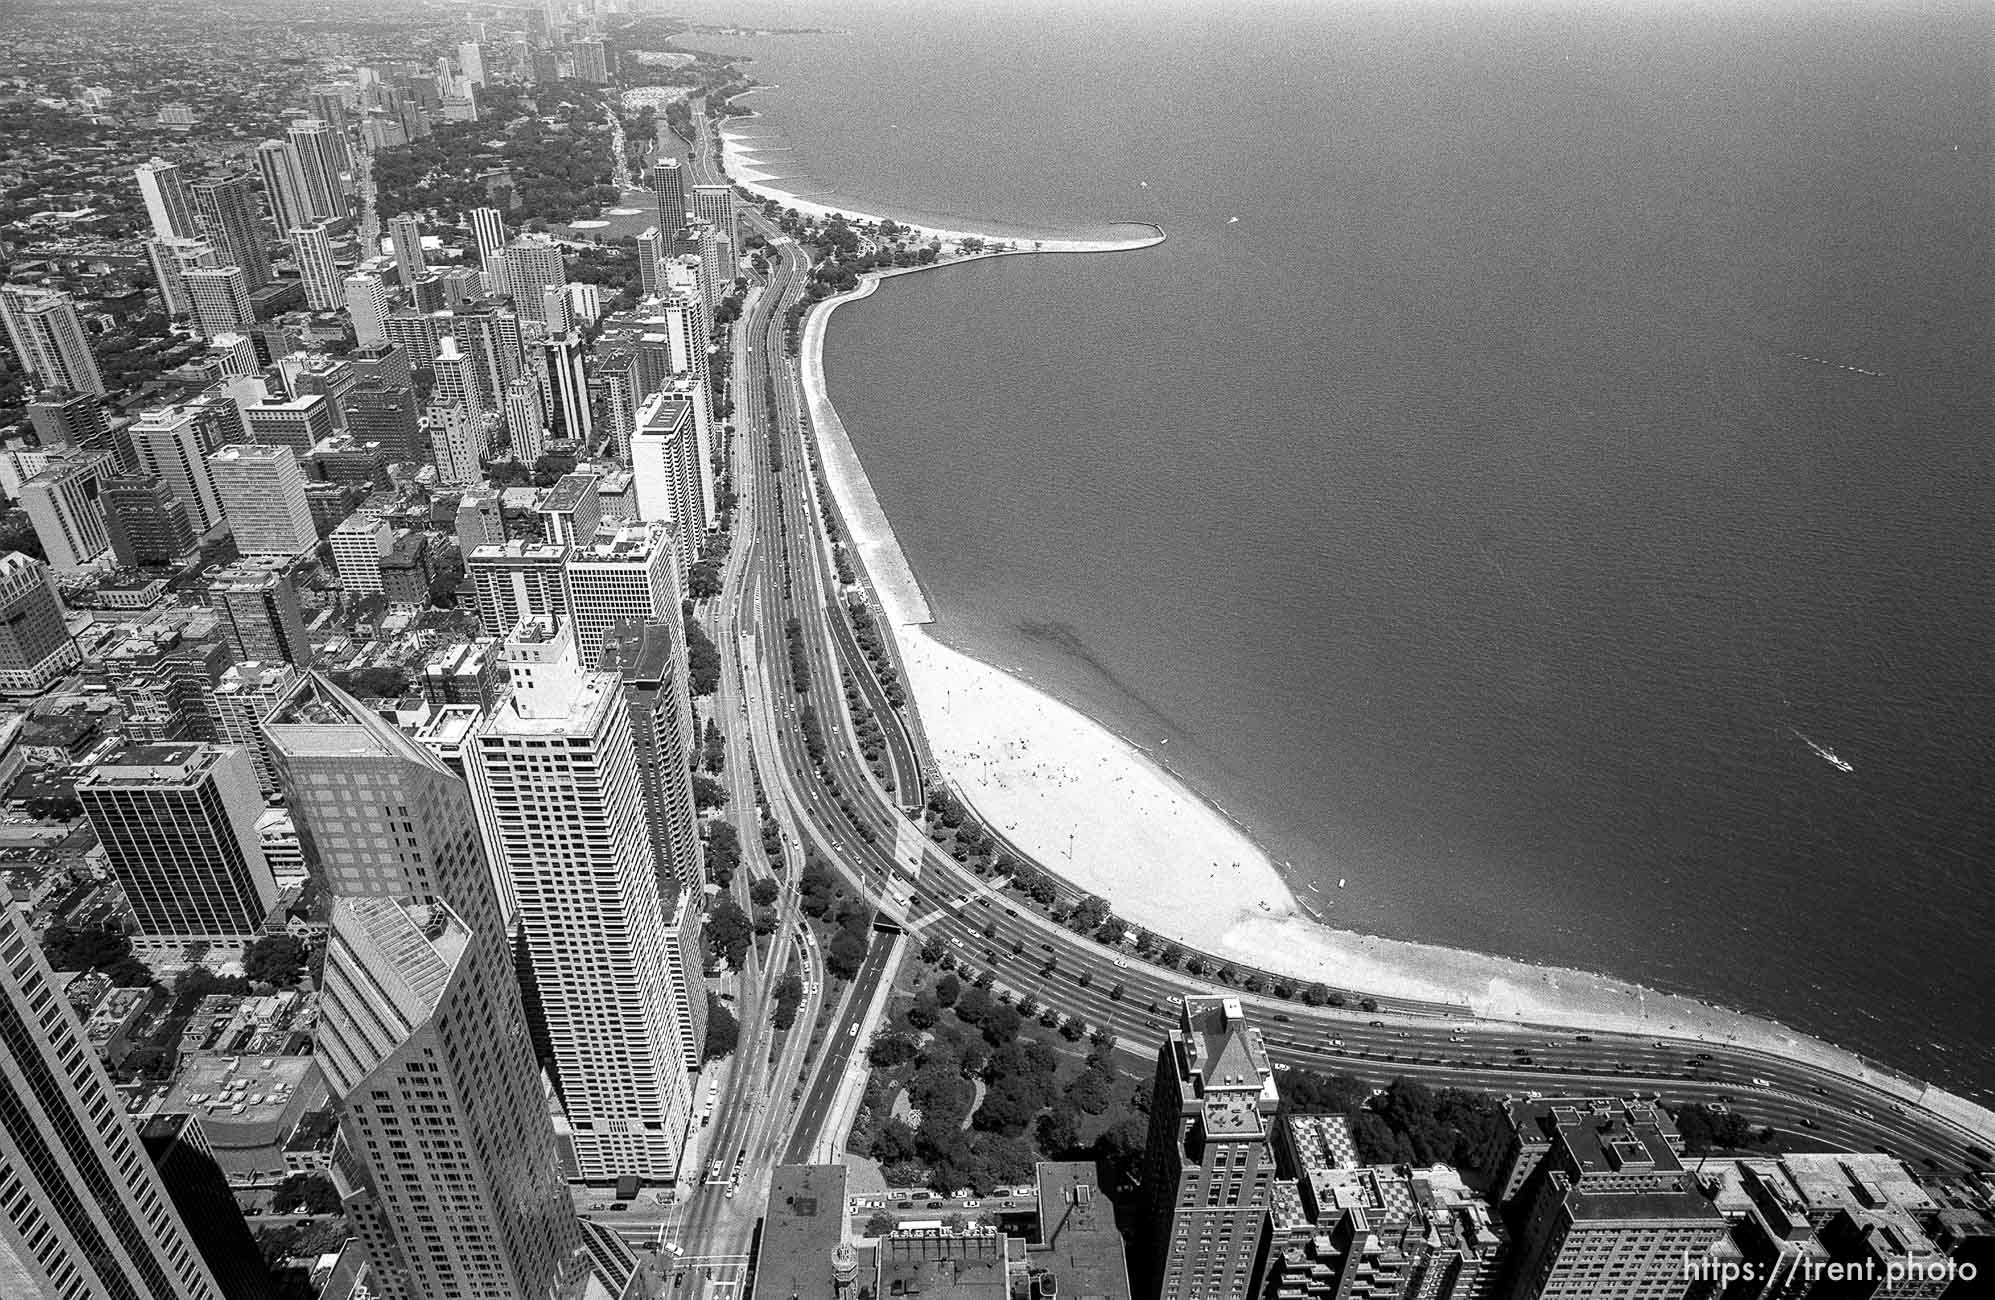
(496, 812)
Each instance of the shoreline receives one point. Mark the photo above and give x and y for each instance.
(1051, 777)
(741, 170)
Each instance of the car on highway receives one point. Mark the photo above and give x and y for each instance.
(1177, 1001)
(1582, 1038)
(1336, 1042)
(1762, 1083)
(971, 1205)
(1808, 1123)
(903, 1205)
(1282, 1065)
(1378, 1024)
(935, 1205)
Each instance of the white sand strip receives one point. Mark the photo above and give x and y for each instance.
(744, 169)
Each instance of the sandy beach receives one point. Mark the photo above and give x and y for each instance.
(1104, 814)
(738, 158)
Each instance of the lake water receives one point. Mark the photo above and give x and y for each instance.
(1559, 503)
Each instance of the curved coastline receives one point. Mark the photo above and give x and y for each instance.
(1051, 777)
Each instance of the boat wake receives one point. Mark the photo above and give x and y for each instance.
(1824, 753)
(1837, 365)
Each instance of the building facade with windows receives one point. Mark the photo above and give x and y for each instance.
(178, 825)
(83, 1214)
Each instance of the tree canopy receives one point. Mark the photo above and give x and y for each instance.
(276, 959)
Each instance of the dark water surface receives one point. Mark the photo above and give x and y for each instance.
(1582, 435)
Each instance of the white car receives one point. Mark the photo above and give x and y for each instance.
(1762, 1083)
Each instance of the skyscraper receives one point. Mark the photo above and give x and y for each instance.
(457, 380)
(490, 336)
(313, 250)
(178, 825)
(35, 645)
(218, 299)
(650, 252)
(226, 208)
(668, 182)
(650, 659)
(357, 547)
(570, 510)
(446, 1160)
(82, 1212)
(283, 185)
(233, 356)
(46, 334)
(171, 259)
(204, 1202)
(517, 580)
(457, 440)
(312, 141)
(1210, 1168)
(172, 443)
(526, 419)
(1606, 1208)
(300, 423)
(367, 304)
(533, 262)
(674, 472)
(261, 608)
(714, 204)
(262, 491)
(384, 412)
(555, 774)
(143, 522)
(471, 60)
(685, 319)
(564, 387)
(247, 694)
(407, 234)
(488, 230)
(166, 202)
(65, 418)
(64, 503)
(630, 574)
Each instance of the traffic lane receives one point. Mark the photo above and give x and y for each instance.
(839, 1046)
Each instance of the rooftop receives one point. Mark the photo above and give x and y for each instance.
(801, 1232)
(1854, 1180)
(238, 1089)
(1227, 1064)
(568, 493)
(1078, 1243)
(135, 764)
